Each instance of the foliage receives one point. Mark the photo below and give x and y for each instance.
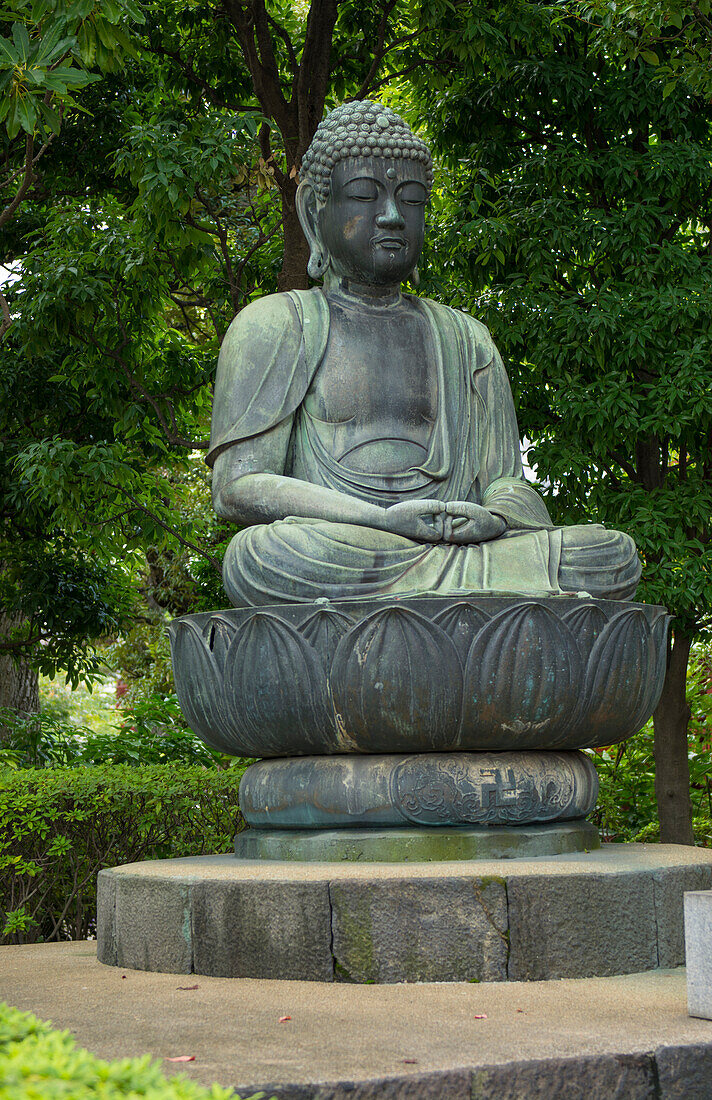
(37, 1060)
(580, 234)
(60, 826)
(626, 808)
(152, 731)
(674, 36)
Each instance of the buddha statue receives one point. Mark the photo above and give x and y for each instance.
(365, 439)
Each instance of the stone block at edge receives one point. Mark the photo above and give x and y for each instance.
(685, 1072)
(670, 884)
(581, 926)
(451, 1084)
(255, 929)
(598, 1077)
(153, 924)
(698, 943)
(106, 918)
(423, 930)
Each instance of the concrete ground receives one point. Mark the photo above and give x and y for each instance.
(627, 1036)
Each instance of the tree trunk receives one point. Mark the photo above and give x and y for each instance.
(293, 275)
(19, 683)
(672, 771)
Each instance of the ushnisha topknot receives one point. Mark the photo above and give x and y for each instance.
(360, 129)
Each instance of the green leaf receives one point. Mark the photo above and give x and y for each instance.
(8, 53)
(26, 113)
(22, 40)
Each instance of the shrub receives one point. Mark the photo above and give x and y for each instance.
(152, 731)
(60, 826)
(37, 1061)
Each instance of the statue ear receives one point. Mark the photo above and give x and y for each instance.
(307, 211)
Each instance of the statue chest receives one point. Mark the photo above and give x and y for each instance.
(375, 395)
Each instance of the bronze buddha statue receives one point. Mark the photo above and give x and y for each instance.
(365, 438)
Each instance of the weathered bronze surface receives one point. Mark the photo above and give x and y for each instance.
(420, 675)
(464, 788)
(418, 844)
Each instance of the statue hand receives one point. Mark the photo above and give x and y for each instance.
(420, 520)
(470, 523)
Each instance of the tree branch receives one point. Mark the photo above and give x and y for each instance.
(379, 51)
(24, 187)
(195, 78)
(166, 527)
(6, 316)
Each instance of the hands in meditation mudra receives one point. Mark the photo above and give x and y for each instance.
(366, 439)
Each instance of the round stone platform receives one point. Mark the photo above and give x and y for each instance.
(613, 911)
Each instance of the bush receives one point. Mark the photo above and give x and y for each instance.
(37, 1061)
(152, 731)
(60, 826)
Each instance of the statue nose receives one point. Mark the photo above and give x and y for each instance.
(390, 217)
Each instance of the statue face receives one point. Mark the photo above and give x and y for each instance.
(373, 222)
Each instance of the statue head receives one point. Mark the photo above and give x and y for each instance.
(365, 181)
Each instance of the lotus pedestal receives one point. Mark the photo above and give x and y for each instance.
(423, 728)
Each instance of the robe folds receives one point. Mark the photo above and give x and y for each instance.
(268, 360)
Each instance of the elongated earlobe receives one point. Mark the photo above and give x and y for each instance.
(307, 213)
(318, 263)
(415, 276)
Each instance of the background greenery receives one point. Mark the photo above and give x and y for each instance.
(150, 155)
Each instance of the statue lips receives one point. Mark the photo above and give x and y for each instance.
(390, 242)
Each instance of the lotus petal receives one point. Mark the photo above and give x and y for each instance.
(585, 623)
(199, 686)
(219, 632)
(462, 622)
(523, 682)
(620, 670)
(397, 684)
(324, 629)
(659, 647)
(276, 685)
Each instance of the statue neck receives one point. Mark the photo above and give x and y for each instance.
(362, 294)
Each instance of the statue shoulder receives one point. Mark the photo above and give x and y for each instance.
(481, 346)
(275, 321)
(261, 321)
(267, 360)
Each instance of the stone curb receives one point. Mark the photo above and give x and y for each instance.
(667, 1073)
(532, 921)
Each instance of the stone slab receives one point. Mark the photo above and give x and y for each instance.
(152, 924)
(698, 945)
(420, 931)
(580, 927)
(417, 844)
(669, 887)
(579, 914)
(257, 930)
(387, 1042)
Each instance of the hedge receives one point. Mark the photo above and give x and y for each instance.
(39, 1063)
(60, 826)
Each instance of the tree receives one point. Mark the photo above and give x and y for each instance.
(582, 233)
(154, 207)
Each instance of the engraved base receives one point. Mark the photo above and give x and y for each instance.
(417, 845)
(427, 789)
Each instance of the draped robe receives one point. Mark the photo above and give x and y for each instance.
(268, 361)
